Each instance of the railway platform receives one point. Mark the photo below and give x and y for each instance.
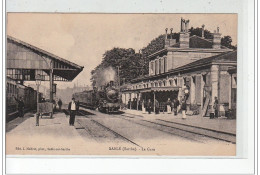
(53, 136)
(221, 124)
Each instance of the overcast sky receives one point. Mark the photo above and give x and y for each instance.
(84, 38)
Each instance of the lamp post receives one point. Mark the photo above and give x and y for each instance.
(38, 83)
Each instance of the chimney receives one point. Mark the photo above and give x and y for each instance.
(111, 83)
(167, 41)
(216, 39)
(202, 34)
(172, 41)
(184, 34)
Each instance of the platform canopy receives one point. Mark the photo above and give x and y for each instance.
(25, 61)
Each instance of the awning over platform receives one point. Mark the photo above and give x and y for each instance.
(160, 89)
(153, 89)
(24, 61)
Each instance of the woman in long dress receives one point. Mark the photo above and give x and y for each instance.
(143, 108)
(183, 108)
(169, 111)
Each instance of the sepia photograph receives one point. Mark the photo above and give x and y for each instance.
(121, 84)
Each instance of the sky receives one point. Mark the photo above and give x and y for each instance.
(84, 38)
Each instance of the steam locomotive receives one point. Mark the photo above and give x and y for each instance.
(105, 98)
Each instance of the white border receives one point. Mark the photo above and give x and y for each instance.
(245, 144)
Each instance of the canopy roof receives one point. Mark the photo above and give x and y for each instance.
(24, 61)
(153, 89)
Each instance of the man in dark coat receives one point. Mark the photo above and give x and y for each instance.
(176, 103)
(149, 106)
(157, 107)
(20, 106)
(60, 104)
(73, 107)
(215, 106)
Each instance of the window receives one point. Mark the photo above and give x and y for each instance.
(165, 64)
(171, 83)
(152, 67)
(156, 67)
(160, 66)
(176, 82)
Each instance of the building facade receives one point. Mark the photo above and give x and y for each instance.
(200, 67)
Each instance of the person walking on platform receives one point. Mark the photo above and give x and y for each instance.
(20, 106)
(72, 109)
(149, 106)
(143, 108)
(176, 103)
(60, 104)
(157, 107)
(168, 104)
(183, 108)
(215, 106)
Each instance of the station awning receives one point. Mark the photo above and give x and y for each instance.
(153, 89)
(160, 89)
(25, 61)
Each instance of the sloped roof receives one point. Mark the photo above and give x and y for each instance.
(198, 42)
(227, 57)
(50, 55)
(70, 70)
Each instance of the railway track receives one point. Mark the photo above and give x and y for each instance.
(98, 131)
(184, 128)
(193, 133)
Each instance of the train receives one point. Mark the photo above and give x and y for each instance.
(105, 98)
(28, 94)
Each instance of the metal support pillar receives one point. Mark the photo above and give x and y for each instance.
(37, 113)
(154, 101)
(137, 101)
(130, 101)
(51, 87)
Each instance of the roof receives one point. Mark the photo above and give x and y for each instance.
(227, 57)
(194, 42)
(34, 48)
(69, 72)
(152, 89)
(224, 58)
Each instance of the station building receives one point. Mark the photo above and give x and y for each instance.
(202, 68)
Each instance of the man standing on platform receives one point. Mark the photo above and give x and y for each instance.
(168, 104)
(72, 109)
(215, 106)
(60, 104)
(149, 106)
(20, 106)
(176, 103)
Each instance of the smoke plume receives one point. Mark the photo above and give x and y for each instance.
(104, 76)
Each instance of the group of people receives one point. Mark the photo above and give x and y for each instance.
(171, 106)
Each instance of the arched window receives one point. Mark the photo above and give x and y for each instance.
(164, 83)
(156, 84)
(171, 83)
(160, 84)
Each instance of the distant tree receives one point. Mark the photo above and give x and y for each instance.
(129, 63)
(198, 32)
(227, 42)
